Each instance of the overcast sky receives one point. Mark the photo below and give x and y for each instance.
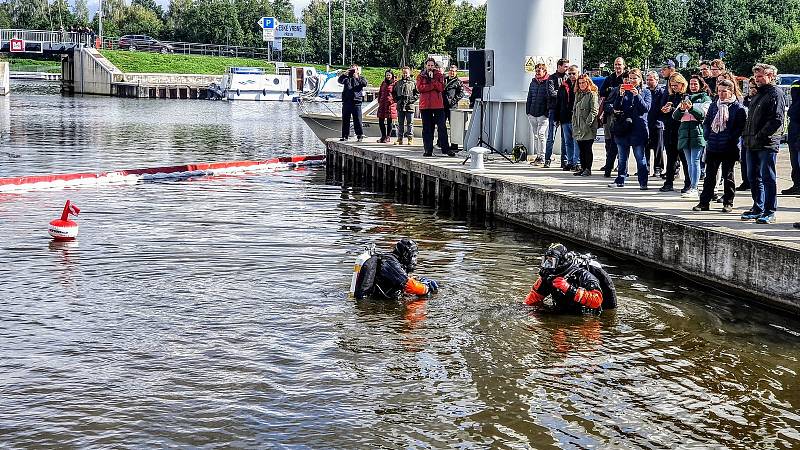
(298, 4)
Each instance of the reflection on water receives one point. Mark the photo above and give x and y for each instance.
(213, 312)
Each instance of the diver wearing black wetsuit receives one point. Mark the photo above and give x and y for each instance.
(387, 275)
(568, 278)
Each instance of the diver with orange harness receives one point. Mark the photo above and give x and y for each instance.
(577, 283)
(386, 275)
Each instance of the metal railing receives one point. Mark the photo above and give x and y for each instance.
(195, 48)
(64, 37)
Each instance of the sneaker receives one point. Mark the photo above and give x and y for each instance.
(751, 214)
(360, 139)
(657, 173)
(616, 185)
(766, 218)
(743, 187)
(399, 141)
(701, 207)
(794, 190)
(449, 153)
(427, 154)
(691, 193)
(727, 208)
(410, 141)
(567, 167)
(665, 188)
(586, 173)
(344, 139)
(578, 174)
(643, 188)
(546, 164)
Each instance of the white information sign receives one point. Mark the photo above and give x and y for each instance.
(291, 30)
(277, 45)
(268, 34)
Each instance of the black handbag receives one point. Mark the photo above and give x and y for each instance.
(622, 124)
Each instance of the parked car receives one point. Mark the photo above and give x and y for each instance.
(143, 42)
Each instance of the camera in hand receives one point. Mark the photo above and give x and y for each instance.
(627, 86)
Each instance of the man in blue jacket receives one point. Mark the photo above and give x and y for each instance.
(762, 137)
(794, 139)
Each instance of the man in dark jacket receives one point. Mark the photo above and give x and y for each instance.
(762, 136)
(555, 81)
(794, 138)
(352, 96)
(406, 95)
(565, 101)
(608, 92)
(655, 125)
(453, 92)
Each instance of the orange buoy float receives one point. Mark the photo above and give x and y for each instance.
(64, 229)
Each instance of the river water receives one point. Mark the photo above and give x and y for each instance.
(213, 312)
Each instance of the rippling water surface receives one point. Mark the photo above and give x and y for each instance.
(213, 312)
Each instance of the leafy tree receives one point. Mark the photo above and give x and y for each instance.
(30, 14)
(469, 27)
(714, 24)
(787, 59)
(758, 38)
(621, 28)
(5, 18)
(420, 25)
(248, 13)
(151, 5)
(81, 12)
(61, 15)
(142, 20)
(667, 15)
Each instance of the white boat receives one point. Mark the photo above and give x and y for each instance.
(287, 84)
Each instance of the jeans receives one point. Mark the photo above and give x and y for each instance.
(538, 135)
(624, 149)
(763, 183)
(655, 143)
(408, 118)
(351, 110)
(551, 139)
(434, 118)
(713, 162)
(743, 166)
(794, 157)
(693, 162)
(571, 148)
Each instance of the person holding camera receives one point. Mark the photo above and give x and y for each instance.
(676, 90)
(352, 96)
(630, 107)
(690, 113)
(430, 84)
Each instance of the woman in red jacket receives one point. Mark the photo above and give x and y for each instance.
(430, 84)
(387, 107)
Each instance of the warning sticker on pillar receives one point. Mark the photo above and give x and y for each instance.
(532, 61)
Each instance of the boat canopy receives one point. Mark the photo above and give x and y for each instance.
(246, 70)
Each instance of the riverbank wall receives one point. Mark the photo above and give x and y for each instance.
(759, 265)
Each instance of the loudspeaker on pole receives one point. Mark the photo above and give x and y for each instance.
(481, 68)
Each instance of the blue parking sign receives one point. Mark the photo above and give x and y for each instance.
(268, 23)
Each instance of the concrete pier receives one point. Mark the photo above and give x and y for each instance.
(759, 263)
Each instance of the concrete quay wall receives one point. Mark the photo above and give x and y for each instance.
(756, 269)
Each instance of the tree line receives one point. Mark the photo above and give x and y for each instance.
(398, 32)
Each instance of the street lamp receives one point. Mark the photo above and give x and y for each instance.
(330, 35)
(344, 31)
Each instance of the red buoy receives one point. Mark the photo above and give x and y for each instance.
(64, 229)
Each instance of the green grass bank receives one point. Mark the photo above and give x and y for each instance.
(147, 62)
(32, 65)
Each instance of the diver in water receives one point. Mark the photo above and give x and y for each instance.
(577, 283)
(386, 275)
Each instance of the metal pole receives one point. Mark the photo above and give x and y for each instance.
(100, 26)
(344, 32)
(330, 36)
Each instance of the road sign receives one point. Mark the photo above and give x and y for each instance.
(291, 30)
(277, 45)
(268, 34)
(268, 23)
(683, 59)
(16, 46)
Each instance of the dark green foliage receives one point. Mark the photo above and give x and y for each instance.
(787, 59)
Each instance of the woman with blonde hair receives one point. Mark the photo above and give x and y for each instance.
(584, 121)
(676, 91)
